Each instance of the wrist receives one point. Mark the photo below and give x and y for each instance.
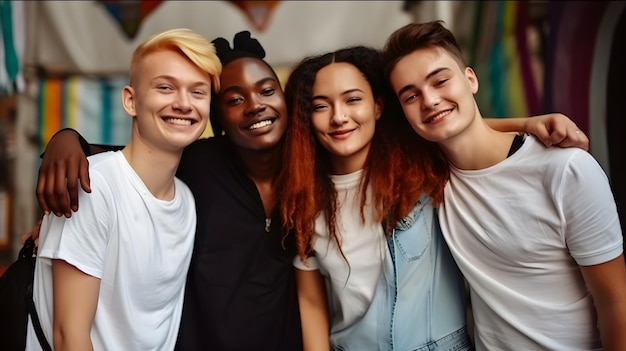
(84, 144)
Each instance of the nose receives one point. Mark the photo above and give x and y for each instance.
(339, 117)
(182, 102)
(254, 106)
(430, 99)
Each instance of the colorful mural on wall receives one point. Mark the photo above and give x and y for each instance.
(129, 14)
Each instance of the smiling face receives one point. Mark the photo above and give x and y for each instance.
(169, 99)
(436, 94)
(252, 105)
(344, 115)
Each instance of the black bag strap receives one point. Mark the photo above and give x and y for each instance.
(35, 319)
(30, 304)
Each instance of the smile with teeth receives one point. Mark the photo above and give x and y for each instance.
(261, 124)
(437, 117)
(178, 121)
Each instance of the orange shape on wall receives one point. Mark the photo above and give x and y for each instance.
(258, 13)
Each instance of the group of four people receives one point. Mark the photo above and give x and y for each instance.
(318, 211)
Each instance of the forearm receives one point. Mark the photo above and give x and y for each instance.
(75, 299)
(313, 311)
(607, 284)
(612, 324)
(88, 149)
(315, 328)
(66, 339)
(98, 148)
(507, 124)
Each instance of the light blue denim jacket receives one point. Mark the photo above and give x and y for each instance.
(420, 298)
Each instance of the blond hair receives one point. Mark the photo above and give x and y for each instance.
(186, 42)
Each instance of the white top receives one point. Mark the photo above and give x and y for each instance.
(137, 245)
(518, 231)
(350, 287)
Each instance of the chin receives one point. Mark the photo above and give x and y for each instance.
(260, 145)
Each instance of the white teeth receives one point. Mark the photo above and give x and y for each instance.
(260, 124)
(437, 117)
(178, 121)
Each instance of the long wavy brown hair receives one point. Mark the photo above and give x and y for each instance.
(399, 168)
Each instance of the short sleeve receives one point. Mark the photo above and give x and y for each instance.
(82, 239)
(311, 264)
(593, 232)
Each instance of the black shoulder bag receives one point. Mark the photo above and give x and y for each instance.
(16, 302)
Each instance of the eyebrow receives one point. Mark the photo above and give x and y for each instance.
(428, 76)
(258, 83)
(175, 79)
(350, 91)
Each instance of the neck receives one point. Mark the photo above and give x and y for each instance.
(156, 168)
(262, 168)
(349, 164)
(478, 147)
(260, 165)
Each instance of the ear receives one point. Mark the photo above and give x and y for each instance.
(128, 101)
(472, 79)
(380, 104)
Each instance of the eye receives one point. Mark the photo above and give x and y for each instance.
(441, 81)
(164, 87)
(232, 101)
(319, 107)
(411, 97)
(354, 99)
(268, 91)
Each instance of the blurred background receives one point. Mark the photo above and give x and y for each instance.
(63, 63)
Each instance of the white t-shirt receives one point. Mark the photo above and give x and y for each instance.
(518, 231)
(137, 245)
(351, 281)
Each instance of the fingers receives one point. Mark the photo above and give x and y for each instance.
(57, 185)
(59, 191)
(83, 170)
(558, 129)
(51, 200)
(25, 237)
(41, 193)
(34, 233)
(568, 137)
(542, 133)
(557, 136)
(575, 138)
(52, 186)
(72, 189)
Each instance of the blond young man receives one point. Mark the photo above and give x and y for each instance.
(112, 277)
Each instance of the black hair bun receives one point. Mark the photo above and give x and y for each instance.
(222, 47)
(244, 42)
(243, 46)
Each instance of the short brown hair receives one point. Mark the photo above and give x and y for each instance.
(416, 36)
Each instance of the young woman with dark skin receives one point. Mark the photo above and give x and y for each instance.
(240, 291)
